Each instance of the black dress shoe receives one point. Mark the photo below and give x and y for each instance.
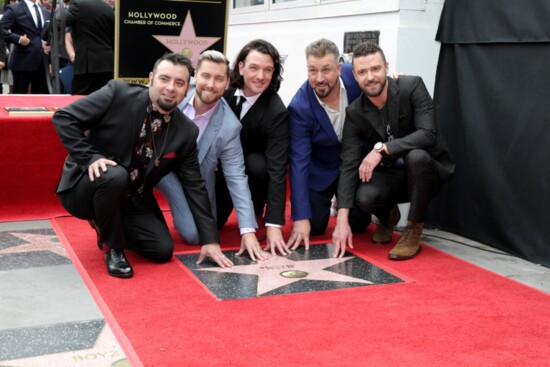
(100, 243)
(117, 264)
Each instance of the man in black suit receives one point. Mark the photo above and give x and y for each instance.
(23, 23)
(92, 25)
(255, 80)
(409, 161)
(121, 141)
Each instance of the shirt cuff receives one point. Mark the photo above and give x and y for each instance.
(273, 225)
(247, 230)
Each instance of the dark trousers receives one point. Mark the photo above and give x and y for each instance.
(124, 223)
(416, 181)
(84, 84)
(321, 202)
(35, 79)
(255, 167)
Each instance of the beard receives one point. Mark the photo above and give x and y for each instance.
(206, 99)
(376, 92)
(322, 93)
(166, 106)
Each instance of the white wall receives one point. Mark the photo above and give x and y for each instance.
(407, 30)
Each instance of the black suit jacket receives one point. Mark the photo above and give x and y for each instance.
(265, 130)
(17, 21)
(112, 118)
(93, 30)
(412, 120)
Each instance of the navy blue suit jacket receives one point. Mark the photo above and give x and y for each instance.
(16, 22)
(314, 146)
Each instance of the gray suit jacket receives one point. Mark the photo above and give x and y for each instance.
(221, 140)
(412, 120)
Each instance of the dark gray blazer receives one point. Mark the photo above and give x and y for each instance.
(412, 120)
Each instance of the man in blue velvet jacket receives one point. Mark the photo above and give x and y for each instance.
(317, 114)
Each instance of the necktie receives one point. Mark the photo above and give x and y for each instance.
(38, 18)
(237, 105)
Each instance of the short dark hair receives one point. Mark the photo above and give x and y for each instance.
(321, 48)
(175, 59)
(367, 48)
(265, 48)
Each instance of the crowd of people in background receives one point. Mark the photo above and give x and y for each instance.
(213, 139)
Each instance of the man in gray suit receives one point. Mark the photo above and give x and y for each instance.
(218, 140)
(409, 161)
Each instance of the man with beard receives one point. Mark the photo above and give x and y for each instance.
(218, 141)
(408, 163)
(317, 114)
(121, 141)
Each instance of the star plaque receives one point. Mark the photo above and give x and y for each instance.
(301, 271)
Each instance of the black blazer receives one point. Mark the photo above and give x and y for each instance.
(93, 30)
(412, 120)
(112, 118)
(265, 130)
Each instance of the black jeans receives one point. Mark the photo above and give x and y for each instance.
(124, 223)
(416, 181)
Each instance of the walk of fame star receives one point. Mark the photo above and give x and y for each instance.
(102, 351)
(301, 271)
(12, 242)
(187, 43)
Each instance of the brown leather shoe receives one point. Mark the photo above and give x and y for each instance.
(383, 234)
(410, 243)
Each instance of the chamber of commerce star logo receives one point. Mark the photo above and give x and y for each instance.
(187, 43)
(279, 271)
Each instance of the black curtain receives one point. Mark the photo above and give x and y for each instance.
(492, 100)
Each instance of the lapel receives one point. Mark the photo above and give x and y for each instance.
(256, 113)
(211, 131)
(321, 115)
(28, 12)
(392, 104)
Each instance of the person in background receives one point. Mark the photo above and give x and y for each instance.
(252, 95)
(23, 23)
(122, 140)
(317, 113)
(408, 161)
(218, 141)
(92, 35)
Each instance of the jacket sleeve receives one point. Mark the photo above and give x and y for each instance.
(277, 166)
(300, 160)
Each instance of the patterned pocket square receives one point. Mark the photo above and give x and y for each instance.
(169, 155)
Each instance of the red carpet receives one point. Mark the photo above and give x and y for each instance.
(32, 159)
(451, 314)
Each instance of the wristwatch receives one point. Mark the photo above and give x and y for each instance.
(379, 147)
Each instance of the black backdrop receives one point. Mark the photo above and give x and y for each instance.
(492, 98)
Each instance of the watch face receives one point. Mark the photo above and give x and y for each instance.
(378, 146)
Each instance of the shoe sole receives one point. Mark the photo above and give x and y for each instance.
(398, 257)
(123, 276)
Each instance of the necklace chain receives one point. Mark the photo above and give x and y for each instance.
(167, 120)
